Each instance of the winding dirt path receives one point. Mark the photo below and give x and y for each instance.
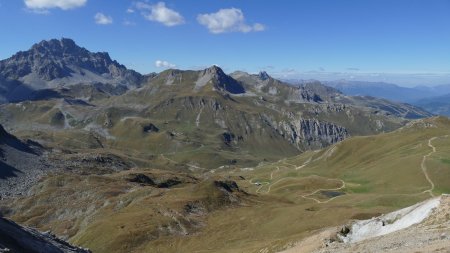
(279, 180)
(306, 196)
(271, 174)
(262, 184)
(424, 166)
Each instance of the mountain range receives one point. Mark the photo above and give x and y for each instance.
(89, 97)
(433, 99)
(200, 160)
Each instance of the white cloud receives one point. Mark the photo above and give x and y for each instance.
(228, 20)
(41, 5)
(160, 13)
(129, 10)
(102, 19)
(164, 64)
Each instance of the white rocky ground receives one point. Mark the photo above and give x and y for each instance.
(424, 227)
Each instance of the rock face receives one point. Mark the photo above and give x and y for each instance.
(313, 133)
(15, 238)
(308, 133)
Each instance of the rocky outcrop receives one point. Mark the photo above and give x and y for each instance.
(308, 133)
(230, 194)
(159, 181)
(228, 186)
(15, 238)
(93, 163)
(150, 128)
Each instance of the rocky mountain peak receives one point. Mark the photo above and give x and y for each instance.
(55, 59)
(220, 80)
(213, 70)
(263, 75)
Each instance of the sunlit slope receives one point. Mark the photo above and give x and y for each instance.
(400, 163)
(285, 201)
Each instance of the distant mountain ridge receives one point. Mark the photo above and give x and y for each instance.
(439, 104)
(433, 99)
(379, 89)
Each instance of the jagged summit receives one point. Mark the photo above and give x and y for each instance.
(263, 75)
(214, 69)
(53, 60)
(55, 45)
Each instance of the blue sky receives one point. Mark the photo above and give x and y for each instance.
(402, 41)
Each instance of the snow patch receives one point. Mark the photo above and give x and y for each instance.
(391, 222)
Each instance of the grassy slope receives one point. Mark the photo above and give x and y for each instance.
(381, 173)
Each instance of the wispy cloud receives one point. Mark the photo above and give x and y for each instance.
(160, 13)
(42, 6)
(102, 19)
(228, 20)
(128, 23)
(164, 64)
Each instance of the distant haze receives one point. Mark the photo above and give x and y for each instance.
(401, 79)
